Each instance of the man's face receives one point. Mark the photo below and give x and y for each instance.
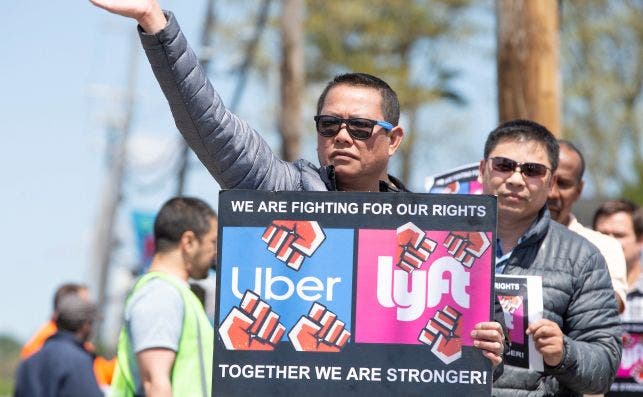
(520, 197)
(357, 162)
(568, 186)
(621, 227)
(204, 253)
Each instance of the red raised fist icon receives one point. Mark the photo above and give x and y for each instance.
(320, 331)
(466, 247)
(251, 326)
(290, 241)
(637, 372)
(413, 247)
(442, 334)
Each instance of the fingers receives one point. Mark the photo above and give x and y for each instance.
(251, 326)
(319, 331)
(489, 337)
(413, 247)
(548, 339)
(442, 334)
(495, 359)
(543, 328)
(466, 247)
(291, 241)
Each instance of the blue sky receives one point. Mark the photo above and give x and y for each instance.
(59, 59)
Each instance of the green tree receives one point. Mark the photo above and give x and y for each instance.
(394, 40)
(9, 359)
(602, 65)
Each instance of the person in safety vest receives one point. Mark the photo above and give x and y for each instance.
(166, 341)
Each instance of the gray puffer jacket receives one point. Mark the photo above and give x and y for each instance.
(579, 297)
(234, 153)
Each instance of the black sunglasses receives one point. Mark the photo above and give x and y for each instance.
(358, 128)
(505, 165)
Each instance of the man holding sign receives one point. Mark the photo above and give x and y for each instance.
(579, 336)
(357, 126)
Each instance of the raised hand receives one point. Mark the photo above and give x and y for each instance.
(466, 247)
(320, 331)
(147, 13)
(291, 241)
(442, 334)
(413, 247)
(251, 326)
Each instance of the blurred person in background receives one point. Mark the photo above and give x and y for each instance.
(166, 343)
(62, 366)
(103, 367)
(565, 192)
(623, 220)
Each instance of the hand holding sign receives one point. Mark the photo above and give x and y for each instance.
(413, 247)
(442, 334)
(466, 247)
(251, 326)
(290, 241)
(320, 331)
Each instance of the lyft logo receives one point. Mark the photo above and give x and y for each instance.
(413, 293)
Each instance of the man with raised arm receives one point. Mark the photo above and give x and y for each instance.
(356, 122)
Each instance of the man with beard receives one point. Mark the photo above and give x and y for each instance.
(166, 342)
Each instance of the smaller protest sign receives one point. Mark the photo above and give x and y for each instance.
(521, 298)
(460, 180)
(143, 223)
(629, 378)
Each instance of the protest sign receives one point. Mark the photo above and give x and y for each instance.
(521, 298)
(629, 378)
(340, 293)
(460, 180)
(143, 223)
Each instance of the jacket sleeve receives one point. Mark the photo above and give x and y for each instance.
(233, 153)
(592, 331)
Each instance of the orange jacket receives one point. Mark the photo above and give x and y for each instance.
(103, 368)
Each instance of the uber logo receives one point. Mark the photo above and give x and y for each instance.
(281, 288)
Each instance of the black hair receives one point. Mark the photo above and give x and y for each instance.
(524, 130)
(390, 103)
(569, 145)
(65, 290)
(73, 312)
(179, 215)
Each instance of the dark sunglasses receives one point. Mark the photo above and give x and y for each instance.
(505, 165)
(357, 128)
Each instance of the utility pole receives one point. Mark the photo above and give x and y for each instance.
(118, 133)
(292, 77)
(528, 37)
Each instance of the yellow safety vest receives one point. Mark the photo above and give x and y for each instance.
(192, 370)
